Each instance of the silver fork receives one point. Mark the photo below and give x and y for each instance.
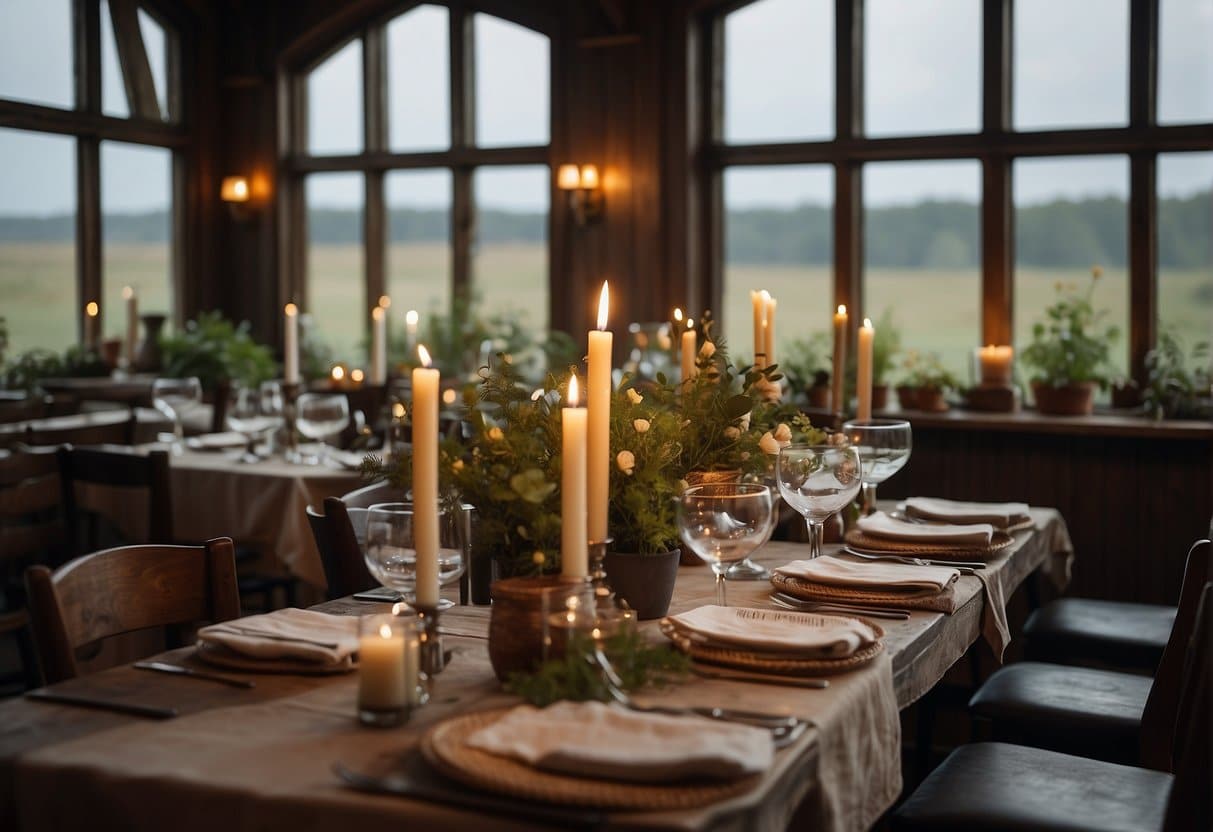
(964, 567)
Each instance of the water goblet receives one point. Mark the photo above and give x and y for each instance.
(321, 416)
(722, 523)
(884, 446)
(174, 397)
(248, 416)
(391, 550)
(817, 481)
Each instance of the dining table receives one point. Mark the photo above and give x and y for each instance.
(264, 758)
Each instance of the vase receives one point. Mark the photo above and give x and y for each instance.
(693, 478)
(907, 397)
(149, 359)
(516, 622)
(646, 582)
(1066, 400)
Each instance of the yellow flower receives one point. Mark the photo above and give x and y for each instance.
(769, 445)
(496, 434)
(538, 557)
(457, 465)
(626, 460)
(634, 397)
(641, 425)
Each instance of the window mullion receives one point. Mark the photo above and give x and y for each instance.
(375, 139)
(463, 136)
(848, 175)
(997, 285)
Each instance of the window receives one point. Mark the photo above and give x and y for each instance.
(1185, 248)
(438, 190)
(87, 206)
(1185, 62)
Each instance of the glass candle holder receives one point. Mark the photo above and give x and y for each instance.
(389, 679)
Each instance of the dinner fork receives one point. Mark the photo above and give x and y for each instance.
(964, 567)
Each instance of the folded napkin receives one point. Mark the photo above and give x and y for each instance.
(216, 441)
(590, 739)
(879, 575)
(1000, 515)
(347, 460)
(800, 634)
(882, 525)
(289, 640)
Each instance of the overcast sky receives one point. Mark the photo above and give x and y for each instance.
(923, 76)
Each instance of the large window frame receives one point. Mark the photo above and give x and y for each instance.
(376, 159)
(145, 126)
(995, 146)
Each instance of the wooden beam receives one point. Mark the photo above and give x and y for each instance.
(132, 56)
(87, 53)
(24, 116)
(375, 133)
(1143, 261)
(1143, 63)
(88, 229)
(997, 241)
(463, 138)
(848, 175)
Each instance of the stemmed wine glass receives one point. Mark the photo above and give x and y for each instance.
(391, 550)
(249, 413)
(174, 397)
(884, 446)
(724, 522)
(818, 480)
(273, 404)
(320, 416)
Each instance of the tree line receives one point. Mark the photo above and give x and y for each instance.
(938, 234)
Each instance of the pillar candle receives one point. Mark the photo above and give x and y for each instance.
(290, 346)
(863, 381)
(598, 397)
(574, 553)
(688, 351)
(383, 669)
(378, 346)
(840, 359)
(132, 324)
(760, 312)
(91, 324)
(768, 329)
(996, 364)
(425, 478)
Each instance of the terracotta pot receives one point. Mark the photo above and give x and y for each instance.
(1126, 395)
(1067, 400)
(819, 396)
(880, 396)
(646, 582)
(907, 397)
(931, 399)
(689, 558)
(516, 623)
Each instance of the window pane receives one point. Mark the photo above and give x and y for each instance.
(38, 240)
(922, 67)
(113, 91)
(418, 66)
(419, 242)
(334, 103)
(136, 230)
(1185, 62)
(336, 287)
(510, 265)
(778, 237)
(36, 51)
(1071, 64)
(922, 255)
(156, 45)
(1071, 214)
(512, 81)
(779, 71)
(1185, 248)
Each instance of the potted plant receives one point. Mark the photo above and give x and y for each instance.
(806, 365)
(926, 383)
(216, 350)
(1069, 352)
(1173, 391)
(885, 346)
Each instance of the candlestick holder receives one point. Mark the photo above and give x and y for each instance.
(290, 394)
(432, 660)
(604, 596)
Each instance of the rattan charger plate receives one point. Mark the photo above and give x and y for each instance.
(937, 551)
(780, 665)
(825, 593)
(445, 749)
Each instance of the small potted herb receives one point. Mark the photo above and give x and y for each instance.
(885, 346)
(926, 383)
(1174, 391)
(806, 365)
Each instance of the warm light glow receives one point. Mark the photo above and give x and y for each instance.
(604, 305)
(338, 373)
(398, 411)
(589, 177)
(234, 189)
(573, 391)
(92, 309)
(400, 608)
(568, 178)
(127, 293)
(356, 375)
(411, 317)
(690, 323)
(449, 396)
(842, 309)
(677, 313)
(867, 323)
(766, 296)
(291, 310)
(385, 631)
(424, 355)
(385, 301)
(377, 313)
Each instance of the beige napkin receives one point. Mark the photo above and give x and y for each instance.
(590, 739)
(876, 575)
(1000, 515)
(298, 646)
(216, 441)
(882, 525)
(802, 634)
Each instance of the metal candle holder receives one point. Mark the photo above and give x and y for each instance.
(290, 393)
(604, 596)
(432, 661)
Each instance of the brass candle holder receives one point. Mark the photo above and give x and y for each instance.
(432, 659)
(603, 594)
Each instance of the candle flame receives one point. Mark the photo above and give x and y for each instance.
(385, 301)
(92, 309)
(842, 309)
(357, 375)
(385, 631)
(604, 305)
(398, 411)
(411, 317)
(766, 296)
(291, 310)
(867, 323)
(127, 293)
(690, 323)
(424, 355)
(573, 391)
(377, 313)
(338, 373)
(677, 313)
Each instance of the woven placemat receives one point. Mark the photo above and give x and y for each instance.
(937, 551)
(781, 664)
(944, 602)
(445, 749)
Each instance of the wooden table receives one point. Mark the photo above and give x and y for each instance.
(261, 759)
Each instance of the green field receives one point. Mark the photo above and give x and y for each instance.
(938, 311)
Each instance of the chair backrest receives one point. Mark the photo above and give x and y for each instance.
(31, 526)
(344, 566)
(1190, 804)
(1158, 719)
(20, 410)
(116, 467)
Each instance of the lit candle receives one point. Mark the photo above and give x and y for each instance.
(574, 554)
(996, 364)
(863, 382)
(132, 323)
(383, 667)
(357, 377)
(425, 478)
(378, 345)
(598, 397)
(410, 329)
(91, 311)
(689, 344)
(840, 359)
(336, 376)
(760, 313)
(290, 346)
(768, 328)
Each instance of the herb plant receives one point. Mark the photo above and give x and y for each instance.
(1071, 345)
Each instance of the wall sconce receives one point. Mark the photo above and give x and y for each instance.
(586, 199)
(235, 192)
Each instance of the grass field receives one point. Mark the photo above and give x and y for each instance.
(937, 311)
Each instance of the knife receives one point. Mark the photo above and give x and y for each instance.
(761, 678)
(791, 602)
(178, 670)
(898, 557)
(132, 708)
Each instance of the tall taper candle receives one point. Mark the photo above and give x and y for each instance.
(410, 329)
(760, 315)
(378, 345)
(598, 397)
(92, 324)
(132, 324)
(425, 478)
(574, 550)
(290, 344)
(689, 345)
(863, 379)
(840, 360)
(768, 329)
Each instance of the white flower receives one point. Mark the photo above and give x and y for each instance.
(496, 434)
(745, 455)
(783, 434)
(626, 461)
(731, 433)
(641, 425)
(744, 422)
(769, 444)
(707, 350)
(634, 397)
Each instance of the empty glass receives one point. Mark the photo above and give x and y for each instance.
(817, 481)
(884, 446)
(175, 397)
(391, 553)
(250, 414)
(321, 416)
(723, 523)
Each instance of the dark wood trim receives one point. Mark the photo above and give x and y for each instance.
(996, 77)
(463, 138)
(1143, 261)
(1143, 62)
(25, 116)
(87, 52)
(456, 157)
(88, 229)
(712, 248)
(375, 139)
(374, 238)
(1029, 421)
(179, 213)
(132, 57)
(848, 176)
(374, 90)
(997, 252)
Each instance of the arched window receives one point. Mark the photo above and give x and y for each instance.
(418, 168)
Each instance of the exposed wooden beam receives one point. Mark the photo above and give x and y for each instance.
(25, 116)
(997, 240)
(463, 140)
(132, 55)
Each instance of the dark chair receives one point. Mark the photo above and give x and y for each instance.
(21, 409)
(995, 787)
(1118, 717)
(344, 566)
(115, 467)
(107, 427)
(127, 589)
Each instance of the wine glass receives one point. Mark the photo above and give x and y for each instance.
(273, 404)
(818, 480)
(174, 397)
(246, 414)
(723, 522)
(884, 446)
(391, 551)
(320, 416)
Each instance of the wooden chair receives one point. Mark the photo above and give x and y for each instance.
(109, 427)
(126, 589)
(21, 409)
(344, 566)
(113, 466)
